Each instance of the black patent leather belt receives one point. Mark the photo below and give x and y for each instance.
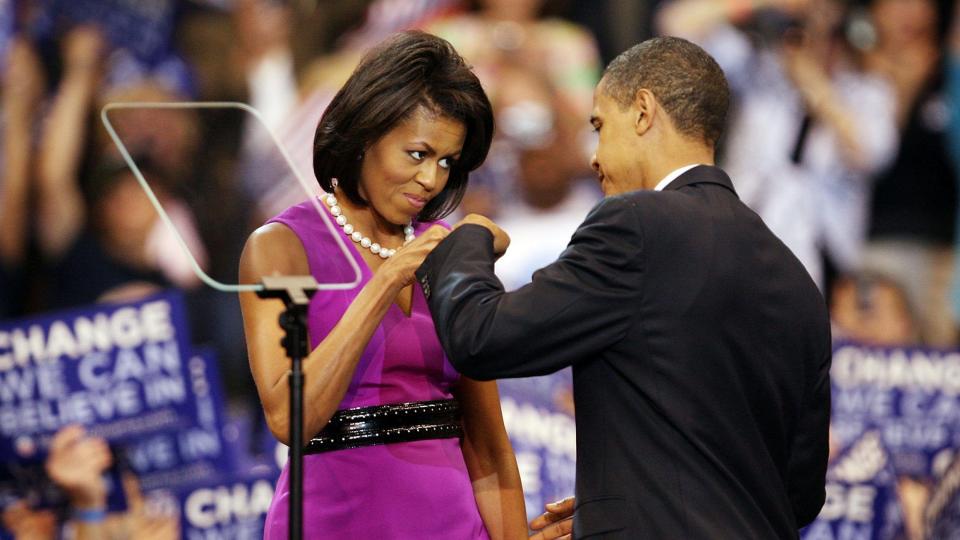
(385, 424)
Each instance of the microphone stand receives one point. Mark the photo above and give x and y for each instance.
(295, 292)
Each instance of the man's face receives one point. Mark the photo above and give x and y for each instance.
(616, 159)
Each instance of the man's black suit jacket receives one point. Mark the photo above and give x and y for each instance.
(700, 350)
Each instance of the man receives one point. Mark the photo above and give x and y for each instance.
(700, 346)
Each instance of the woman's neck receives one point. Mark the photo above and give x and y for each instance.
(369, 222)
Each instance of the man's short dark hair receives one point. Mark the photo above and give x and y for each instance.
(406, 71)
(686, 81)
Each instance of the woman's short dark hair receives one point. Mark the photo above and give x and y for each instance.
(406, 71)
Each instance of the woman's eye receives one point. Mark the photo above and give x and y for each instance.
(417, 154)
(446, 163)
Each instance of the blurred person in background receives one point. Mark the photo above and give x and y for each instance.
(810, 127)
(98, 230)
(549, 200)
(500, 38)
(913, 211)
(292, 93)
(498, 32)
(874, 310)
(547, 203)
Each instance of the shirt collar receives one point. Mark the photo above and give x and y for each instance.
(673, 176)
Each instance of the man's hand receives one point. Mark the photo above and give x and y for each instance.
(501, 241)
(556, 522)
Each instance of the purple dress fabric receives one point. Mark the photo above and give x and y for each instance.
(414, 490)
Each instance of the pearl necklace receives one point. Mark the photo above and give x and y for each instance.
(359, 238)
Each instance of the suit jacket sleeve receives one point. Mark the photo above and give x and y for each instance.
(571, 311)
(807, 466)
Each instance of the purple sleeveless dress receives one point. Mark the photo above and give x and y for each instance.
(412, 490)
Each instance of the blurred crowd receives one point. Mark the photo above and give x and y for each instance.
(844, 136)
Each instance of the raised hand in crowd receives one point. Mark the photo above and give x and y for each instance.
(142, 520)
(807, 58)
(60, 203)
(23, 89)
(556, 522)
(29, 524)
(262, 28)
(77, 463)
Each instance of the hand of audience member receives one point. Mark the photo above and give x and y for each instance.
(556, 522)
(76, 464)
(25, 522)
(501, 240)
(83, 49)
(146, 521)
(262, 27)
(24, 82)
(408, 258)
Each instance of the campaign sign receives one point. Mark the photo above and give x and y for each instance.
(144, 27)
(911, 396)
(861, 499)
(228, 509)
(541, 429)
(125, 372)
(193, 453)
(942, 512)
(121, 370)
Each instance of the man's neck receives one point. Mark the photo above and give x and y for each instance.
(673, 159)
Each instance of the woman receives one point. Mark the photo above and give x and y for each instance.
(394, 150)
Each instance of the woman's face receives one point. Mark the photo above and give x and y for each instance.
(410, 165)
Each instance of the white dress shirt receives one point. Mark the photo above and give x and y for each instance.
(673, 176)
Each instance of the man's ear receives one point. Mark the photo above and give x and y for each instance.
(644, 109)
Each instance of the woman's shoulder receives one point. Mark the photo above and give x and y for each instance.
(305, 211)
(306, 220)
(273, 248)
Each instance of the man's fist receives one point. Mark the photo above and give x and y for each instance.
(501, 241)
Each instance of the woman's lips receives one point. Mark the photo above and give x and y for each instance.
(416, 202)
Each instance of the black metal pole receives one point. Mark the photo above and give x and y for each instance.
(294, 322)
(295, 291)
(296, 441)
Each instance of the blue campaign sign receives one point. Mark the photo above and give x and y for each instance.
(911, 396)
(197, 452)
(121, 370)
(232, 508)
(538, 416)
(126, 373)
(942, 512)
(143, 27)
(861, 495)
